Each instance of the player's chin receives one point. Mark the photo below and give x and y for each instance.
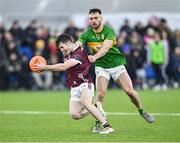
(95, 26)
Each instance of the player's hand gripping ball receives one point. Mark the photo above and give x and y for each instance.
(36, 60)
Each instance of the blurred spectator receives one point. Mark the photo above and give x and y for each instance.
(124, 42)
(138, 65)
(72, 30)
(2, 29)
(140, 43)
(125, 46)
(4, 81)
(41, 43)
(139, 28)
(136, 41)
(44, 33)
(4, 84)
(176, 67)
(13, 70)
(30, 33)
(25, 78)
(177, 37)
(2, 52)
(10, 44)
(43, 80)
(52, 45)
(59, 78)
(163, 25)
(126, 27)
(24, 48)
(157, 57)
(17, 32)
(166, 50)
(153, 23)
(148, 37)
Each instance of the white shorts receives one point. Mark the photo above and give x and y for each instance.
(76, 91)
(111, 72)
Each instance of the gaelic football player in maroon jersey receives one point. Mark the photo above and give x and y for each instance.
(77, 65)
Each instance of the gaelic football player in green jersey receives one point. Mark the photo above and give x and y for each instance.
(109, 62)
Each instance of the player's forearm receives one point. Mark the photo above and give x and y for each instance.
(56, 67)
(62, 66)
(101, 52)
(105, 47)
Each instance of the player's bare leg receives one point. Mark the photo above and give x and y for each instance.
(101, 87)
(86, 100)
(125, 82)
(77, 110)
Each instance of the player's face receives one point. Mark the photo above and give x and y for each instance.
(95, 20)
(65, 48)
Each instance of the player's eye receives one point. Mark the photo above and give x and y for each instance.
(61, 47)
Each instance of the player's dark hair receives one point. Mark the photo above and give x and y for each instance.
(63, 38)
(95, 10)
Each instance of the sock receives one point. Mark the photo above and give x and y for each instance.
(141, 111)
(97, 121)
(106, 124)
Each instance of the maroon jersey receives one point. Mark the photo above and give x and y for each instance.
(79, 73)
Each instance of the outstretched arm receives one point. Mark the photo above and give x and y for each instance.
(102, 51)
(58, 67)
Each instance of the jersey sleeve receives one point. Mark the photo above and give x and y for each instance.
(111, 34)
(82, 37)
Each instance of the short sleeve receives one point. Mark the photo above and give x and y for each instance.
(82, 38)
(111, 34)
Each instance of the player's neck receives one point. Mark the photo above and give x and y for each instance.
(100, 28)
(75, 46)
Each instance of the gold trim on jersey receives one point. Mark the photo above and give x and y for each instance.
(94, 44)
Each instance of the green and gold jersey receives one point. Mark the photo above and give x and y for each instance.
(113, 57)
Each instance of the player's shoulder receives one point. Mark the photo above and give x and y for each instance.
(79, 55)
(108, 27)
(87, 30)
(78, 51)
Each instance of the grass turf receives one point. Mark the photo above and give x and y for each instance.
(52, 127)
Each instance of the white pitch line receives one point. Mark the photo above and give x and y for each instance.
(60, 113)
(32, 112)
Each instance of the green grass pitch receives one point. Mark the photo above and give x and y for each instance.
(61, 128)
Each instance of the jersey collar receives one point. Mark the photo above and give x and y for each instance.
(77, 46)
(98, 31)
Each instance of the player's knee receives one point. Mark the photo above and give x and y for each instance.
(75, 116)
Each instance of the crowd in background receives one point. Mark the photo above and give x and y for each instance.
(140, 44)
